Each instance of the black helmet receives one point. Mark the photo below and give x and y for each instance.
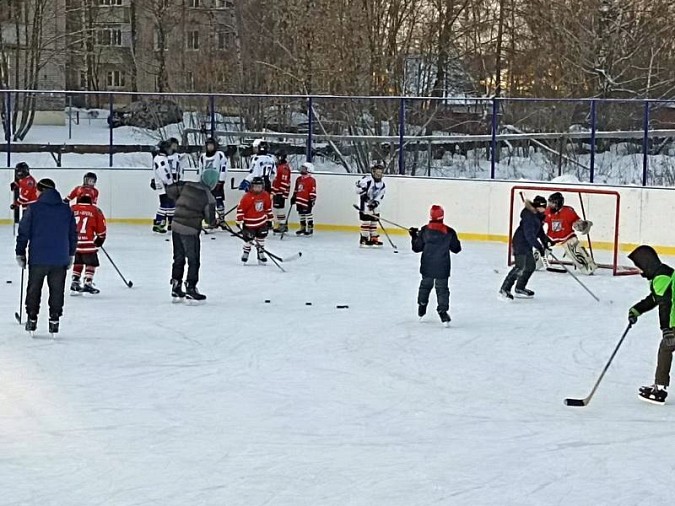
(164, 147)
(281, 155)
(557, 200)
(539, 201)
(257, 180)
(89, 179)
(260, 146)
(173, 140)
(21, 170)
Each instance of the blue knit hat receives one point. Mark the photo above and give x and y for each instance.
(210, 178)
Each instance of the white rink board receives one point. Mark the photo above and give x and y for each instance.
(478, 209)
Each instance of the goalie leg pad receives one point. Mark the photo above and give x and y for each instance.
(579, 256)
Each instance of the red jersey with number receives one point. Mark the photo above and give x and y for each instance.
(255, 209)
(560, 223)
(282, 182)
(305, 190)
(79, 191)
(90, 224)
(27, 191)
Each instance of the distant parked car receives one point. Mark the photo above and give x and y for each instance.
(152, 114)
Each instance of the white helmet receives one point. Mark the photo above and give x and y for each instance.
(309, 166)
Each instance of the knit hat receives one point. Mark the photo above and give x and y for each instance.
(436, 213)
(210, 178)
(46, 184)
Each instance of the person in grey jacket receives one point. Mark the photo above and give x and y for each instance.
(194, 204)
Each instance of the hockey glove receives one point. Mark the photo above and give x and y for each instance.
(413, 231)
(633, 316)
(13, 186)
(372, 205)
(668, 338)
(21, 261)
(293, 199)
(153, 185)
(98, 242)
(245, 185)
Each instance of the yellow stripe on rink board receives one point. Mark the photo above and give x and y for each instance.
(466, 236)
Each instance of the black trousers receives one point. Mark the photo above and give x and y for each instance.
(186, 247)
(442, 292)
(521, 272)
(56, 281)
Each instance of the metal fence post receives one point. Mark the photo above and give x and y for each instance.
(645, 144)
(493, 143)
(594, 127)
(310, 127)
(8, 126)
(401, 133)
(212, 106)
(110, 137)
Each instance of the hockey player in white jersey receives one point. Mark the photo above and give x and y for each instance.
(371, 190)
(163, 176)
(177, 170)
(263, 165)
(212, 158)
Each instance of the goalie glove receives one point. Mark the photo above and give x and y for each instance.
(582, 226)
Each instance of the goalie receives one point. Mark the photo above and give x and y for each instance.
(563, 224)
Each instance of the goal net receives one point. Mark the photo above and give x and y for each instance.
(602, 207)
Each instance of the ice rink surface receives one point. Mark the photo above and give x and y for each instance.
(237, 402)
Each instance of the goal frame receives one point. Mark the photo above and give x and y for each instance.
(617, 270)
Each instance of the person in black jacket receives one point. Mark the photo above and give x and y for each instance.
(435, 241)
(48, 231)
(528, 236)
(194, 204)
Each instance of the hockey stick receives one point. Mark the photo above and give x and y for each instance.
(584, 402)
(575, 278)
(387, 235)
(290, 210)
(275, 258)
(19, 315)
(128, 283)
(380, 219)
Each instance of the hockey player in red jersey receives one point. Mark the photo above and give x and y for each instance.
(91, 234)
(304, 198)
(88, 187)
(563, 224)
(281, 188)
(254, 218)
(25, 185)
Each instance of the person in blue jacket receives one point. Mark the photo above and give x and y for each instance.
(528, 236)
(48, 231)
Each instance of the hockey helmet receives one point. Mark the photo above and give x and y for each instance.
(257, 184)
(165, 147)
(556, 200)
(281, 156)
(377, 170)
(213, 142)
(306, 167)
(174, 142)
(539, 201)
(89, 179)
(260, 146)
(21, 170)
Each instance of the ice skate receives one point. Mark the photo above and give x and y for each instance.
(89, 287)
(262, 258)
(364, 242)
(524, 293)
(192, 294)
(375, 241)
(653, 394)
(244, 256)
(445, 318)
(421, 310)
(159, 228)
(177, 293)
(302, 230)
(31, 326)
(75, 287)
(53, 327)
(505, 294)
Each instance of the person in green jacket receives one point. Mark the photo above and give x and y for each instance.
(661, 281)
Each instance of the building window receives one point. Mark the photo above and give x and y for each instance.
(109, 37)
(110, 2)
(224, 4)
(190, 81)
(193, 40)
(158, 43)
(225, 40)
(194, 4)
(115, 79)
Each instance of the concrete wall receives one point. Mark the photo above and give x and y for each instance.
(477, 209)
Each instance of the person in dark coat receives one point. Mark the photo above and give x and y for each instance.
(661, 278)
(194, 205)
(48, 231)
(528, 236)
(435, 241)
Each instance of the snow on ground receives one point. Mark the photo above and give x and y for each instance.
(238, 402)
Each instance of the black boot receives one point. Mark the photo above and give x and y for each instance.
(192, 293)
(177, 289)
(445, 317)
(421, 310)
(31, 324)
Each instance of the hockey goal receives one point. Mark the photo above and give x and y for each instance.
(602, 207)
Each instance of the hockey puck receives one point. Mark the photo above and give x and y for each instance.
(213, 238)
(395, 251)
(308, 303)
(9, 281)
(267, 301)
(343, 306)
